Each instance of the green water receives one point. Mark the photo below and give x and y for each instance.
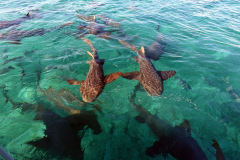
(202, 43)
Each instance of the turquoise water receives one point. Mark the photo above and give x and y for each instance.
(202, 46)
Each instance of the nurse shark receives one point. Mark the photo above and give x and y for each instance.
(148, 76)
(95, 81)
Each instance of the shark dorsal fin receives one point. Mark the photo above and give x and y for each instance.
(94, 19)
(142, 51)
(186, 126)
(87, 41)
(28, 14)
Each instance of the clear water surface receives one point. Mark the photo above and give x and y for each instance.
(202, 46)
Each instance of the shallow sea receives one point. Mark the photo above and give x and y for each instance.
(202, 44)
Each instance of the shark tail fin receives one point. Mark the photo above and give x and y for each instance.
(130, 46)
(93, 49)
(133, 48)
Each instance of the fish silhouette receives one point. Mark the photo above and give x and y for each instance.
(183, 83)
(5, 70)
(6, 24)
(176, 141)
(13, 59)
(62, 133)
(148, 76)
(15, 35)
(96, 28)
(95, 81)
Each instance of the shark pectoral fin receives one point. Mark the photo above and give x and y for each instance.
(166, 74)
(131, 75)
(140, 119)
(186, 126)
(112, 77)
(159, 147)
(75, 82)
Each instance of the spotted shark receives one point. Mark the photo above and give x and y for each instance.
(148, 76)
(176, 141)
(95, 81)
(15, 36)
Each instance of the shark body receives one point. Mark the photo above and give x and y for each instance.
(148, 76)
(95, 81)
